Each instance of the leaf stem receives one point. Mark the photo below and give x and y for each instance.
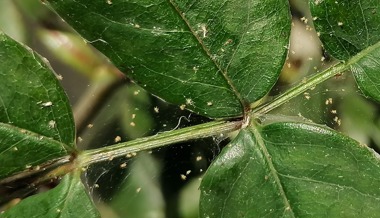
(166, 138)
(216, 127)
(300, 88)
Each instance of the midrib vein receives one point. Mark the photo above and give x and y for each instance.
(272, 169)
(224, 74)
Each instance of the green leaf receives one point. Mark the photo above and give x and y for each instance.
(214, 57)
(35, 116)
(21, 150)
(31, 97)
(292, 170)
(366, 67)
(346, 27)
(69, 199)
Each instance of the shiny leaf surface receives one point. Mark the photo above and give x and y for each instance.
(212, 57)
(292, 170)
(35, 116)
(30, 95)
(21, 150)
(348, 27)
(68, 200)
(366, 70)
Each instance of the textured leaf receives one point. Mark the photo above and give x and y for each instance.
(292, 170)
(346, 27)
(23, 150)
(30, 96)
(366, 68)
(214, 57)
(35, 116)
(69, 199)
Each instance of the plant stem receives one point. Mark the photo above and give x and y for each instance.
(213, 128)
(200, 131)
(166, 138)
(300, 88)
(313, 81)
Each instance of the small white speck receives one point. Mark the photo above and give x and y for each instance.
(47, 104)
(59, 77)
(156, 109)
(304, 19)
(52, 124)
(204, 30)
(123, 165)
(189, 101)
(117, 139)
(183, 177)
(329, 101)
(195, 68)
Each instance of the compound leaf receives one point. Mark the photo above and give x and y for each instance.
(212, 57)
(347, 28)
